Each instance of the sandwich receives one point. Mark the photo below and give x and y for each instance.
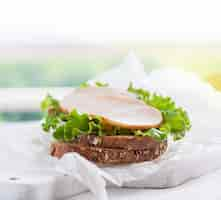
(112, 126)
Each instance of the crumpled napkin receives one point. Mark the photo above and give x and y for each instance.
(131, 69)
(199, 153)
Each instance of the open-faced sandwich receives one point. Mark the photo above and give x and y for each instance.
(112, 126)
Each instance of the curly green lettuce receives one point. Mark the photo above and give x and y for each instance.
(67, 126)
(175, 119)
(97, 83)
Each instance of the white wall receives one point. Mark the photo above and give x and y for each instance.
(101, 21)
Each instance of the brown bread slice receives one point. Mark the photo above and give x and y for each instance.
(118, 142)
(110, 156)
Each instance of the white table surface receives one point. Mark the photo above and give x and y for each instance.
(204, 188)
(55, 186)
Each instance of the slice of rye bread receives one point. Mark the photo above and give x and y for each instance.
(117, 142)
(109, 156)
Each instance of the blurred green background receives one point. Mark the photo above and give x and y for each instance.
(70, 65)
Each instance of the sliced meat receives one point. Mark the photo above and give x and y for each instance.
(116, 107)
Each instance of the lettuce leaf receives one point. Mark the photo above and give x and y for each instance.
(100, 84)
(49, 102)
(97, 83)
(175, 119)
(67, 126)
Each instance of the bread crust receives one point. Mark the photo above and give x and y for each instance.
(112, 155)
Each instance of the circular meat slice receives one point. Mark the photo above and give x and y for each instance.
(116, 107)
